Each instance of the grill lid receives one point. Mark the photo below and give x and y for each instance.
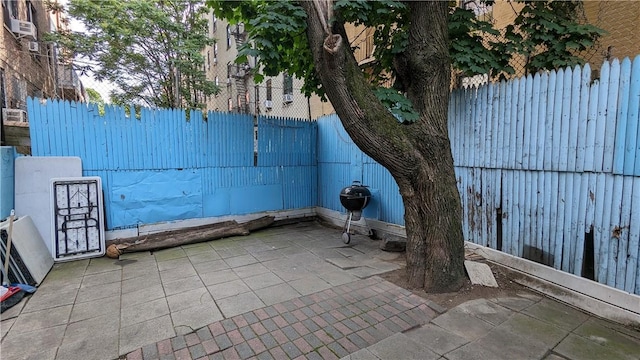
(355, 197)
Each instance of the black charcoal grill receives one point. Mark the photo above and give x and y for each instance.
(354, 198)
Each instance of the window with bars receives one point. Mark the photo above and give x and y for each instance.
(10, 11)
(31, 13)
(287, 84)
(269, 95)
(3, 94)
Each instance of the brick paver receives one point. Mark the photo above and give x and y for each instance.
(328, 324)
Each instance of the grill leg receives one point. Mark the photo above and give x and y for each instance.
(346, 236)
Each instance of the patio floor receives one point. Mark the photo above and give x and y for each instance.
(288, 292)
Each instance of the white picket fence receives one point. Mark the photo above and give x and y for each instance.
(548, 168)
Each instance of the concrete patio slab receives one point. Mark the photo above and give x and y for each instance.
(239, 304)
(272, 295)
(394, 345)
(436, 338)
(557, 314)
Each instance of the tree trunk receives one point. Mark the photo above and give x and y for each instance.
(417, 155)
(435, 249)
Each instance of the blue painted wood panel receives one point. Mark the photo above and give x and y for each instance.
(541, 160)
(569, 151)
(160, 165)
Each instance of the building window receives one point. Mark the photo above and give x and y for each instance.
(10, 10)
(483, 12)
(12, 7)
(215, 54)
(228, 36)
(269, 96)
(208, 60)
(230, 105)
(19, 100)
(287, 84)
(31, 13)
(214, 22)
(3, 94)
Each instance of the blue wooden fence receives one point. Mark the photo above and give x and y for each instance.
(340, 162)
(159, 167)
(548, 167)
(552, 162)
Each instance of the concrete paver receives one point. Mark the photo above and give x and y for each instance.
(557, 314)
(532, 332)
(274, 295)
(410, 349)
(436, 338)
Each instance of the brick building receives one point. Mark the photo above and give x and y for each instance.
(620, 20)
(28, 65)
(276, 96)
(25, 69)
(617, 18)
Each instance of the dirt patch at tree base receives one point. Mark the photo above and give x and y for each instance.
(506, 287)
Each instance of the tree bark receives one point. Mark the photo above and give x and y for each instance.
(417, 155)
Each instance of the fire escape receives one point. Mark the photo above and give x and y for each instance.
(241, 73)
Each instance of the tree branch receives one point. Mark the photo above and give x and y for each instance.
(371, 126)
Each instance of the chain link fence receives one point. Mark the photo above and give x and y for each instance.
(617, 19)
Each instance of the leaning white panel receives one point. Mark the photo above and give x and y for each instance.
(78, 218)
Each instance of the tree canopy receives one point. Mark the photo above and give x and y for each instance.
(94, 96)
(546, 34)
(151, 50)
(416, 44)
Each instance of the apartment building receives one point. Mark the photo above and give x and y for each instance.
(617, 18)
(28, 65)
(275, 96)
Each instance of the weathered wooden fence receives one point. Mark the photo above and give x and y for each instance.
(548, 166)
(159, 166)
(340, 162)
(548, 169)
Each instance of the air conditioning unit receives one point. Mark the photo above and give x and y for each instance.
(228, 81)
(268, 104)
(240, 73)
(17, 115)
(33, 46)
(287, 98)
(23, 28)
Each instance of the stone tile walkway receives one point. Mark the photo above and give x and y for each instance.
(523, 327)
(102, 308)
(284, 293)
